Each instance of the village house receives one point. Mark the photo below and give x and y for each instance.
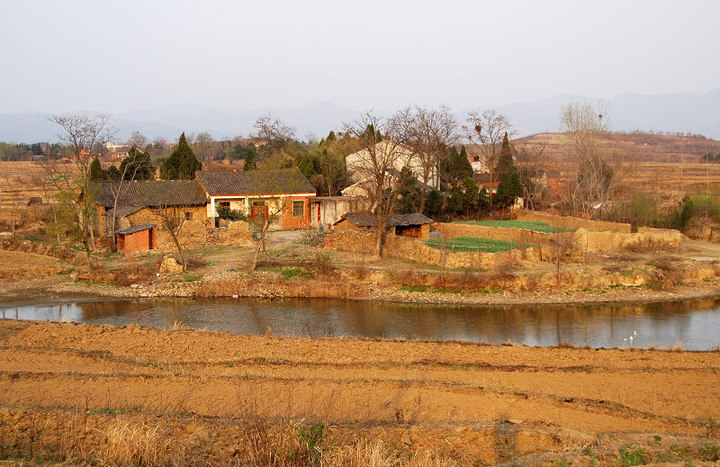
(284, 194)
(358, 162)
(139, 202)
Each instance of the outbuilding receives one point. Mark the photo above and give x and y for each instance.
(137, 238)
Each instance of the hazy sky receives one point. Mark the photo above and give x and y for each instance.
(114, 56)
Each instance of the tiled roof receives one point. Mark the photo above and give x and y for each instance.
(122, 211)
(136, 228)
(370, 220)
(153, 194)
(409, 219)
(255, 182)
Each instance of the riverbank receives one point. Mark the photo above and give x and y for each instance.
(82, 393)
(291, 268)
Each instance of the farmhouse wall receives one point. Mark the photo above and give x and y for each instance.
(572, 222)
(147, 216)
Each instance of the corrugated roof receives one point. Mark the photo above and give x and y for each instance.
(255, 182)
(370, 220)
(136, 228)
(153, 194)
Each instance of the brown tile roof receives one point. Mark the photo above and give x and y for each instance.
(153, 194)
(122, 211)
(136, 228)
(255, 182)
(370, 220)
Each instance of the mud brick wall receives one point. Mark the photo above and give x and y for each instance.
(572, 222)
(412, 249)
(498, 233)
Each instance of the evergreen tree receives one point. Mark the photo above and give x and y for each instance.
(182, 164)
(471, 196)
(137, 166)
(510, 186)
(112, 173)
(96, 171)
(455, 199)
(250, 163)
(455, 166)
(505, 161)
(408, 192)
(434, 203)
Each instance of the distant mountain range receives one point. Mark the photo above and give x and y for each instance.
(699, 114)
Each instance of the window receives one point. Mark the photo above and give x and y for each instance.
(224, 204)
(298, 208)
(188, 216)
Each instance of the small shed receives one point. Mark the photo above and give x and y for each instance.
(405, 225)
(137, 238)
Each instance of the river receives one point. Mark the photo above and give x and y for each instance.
(695, 325)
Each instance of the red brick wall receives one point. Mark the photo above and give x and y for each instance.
(139, 241)
(289, 222)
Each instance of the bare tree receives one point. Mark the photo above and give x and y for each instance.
(138, 140)
(80, 135)
(172, 218)
(381, 151)
(562, 242)
(586, 126)
(116, 188)
(486, 131)
(272, 129)
(205, 147)
(533, 172)
(428, 132)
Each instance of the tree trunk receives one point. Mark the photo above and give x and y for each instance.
(173, 234)
(261, 244)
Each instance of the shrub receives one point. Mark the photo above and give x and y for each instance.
(632, 455)
(225, 212)
(323, 264)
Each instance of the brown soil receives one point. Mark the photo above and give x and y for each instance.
(66, 390)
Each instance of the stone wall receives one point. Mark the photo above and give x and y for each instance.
(498, 233)
(411, 249)
(587, 240)
(572, 222)
(195, 235)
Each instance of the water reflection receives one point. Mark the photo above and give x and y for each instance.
(695, 324)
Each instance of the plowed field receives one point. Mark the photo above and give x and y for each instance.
(137, 395)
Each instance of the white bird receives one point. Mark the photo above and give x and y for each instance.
(634, 333)
(631, 339)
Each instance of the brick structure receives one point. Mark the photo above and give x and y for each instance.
(137, 238)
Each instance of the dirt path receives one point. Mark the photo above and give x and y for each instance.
(457, 402)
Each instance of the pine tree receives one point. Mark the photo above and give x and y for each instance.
(96, 171)
(455, 166)
(408, 192)
(182, 164)
(250, 163)
(505, 161)
(137, 166)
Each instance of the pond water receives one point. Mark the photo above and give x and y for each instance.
(693, 324)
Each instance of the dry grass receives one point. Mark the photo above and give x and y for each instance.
(138, 445)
